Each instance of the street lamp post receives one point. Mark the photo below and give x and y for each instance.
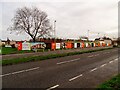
(88, 34)
(98, 35)
(55, 29)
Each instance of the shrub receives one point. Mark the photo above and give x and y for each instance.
(3, 45)
(13, 45)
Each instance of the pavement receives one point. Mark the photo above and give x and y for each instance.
(11, 56)
(79, 71)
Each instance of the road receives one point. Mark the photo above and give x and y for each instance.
(79, 71)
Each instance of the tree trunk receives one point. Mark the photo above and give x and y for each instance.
(34, 40)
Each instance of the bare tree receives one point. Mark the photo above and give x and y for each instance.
(32, 21)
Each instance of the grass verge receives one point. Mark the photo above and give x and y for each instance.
(9, 50)
(50, 56)
(112, 84)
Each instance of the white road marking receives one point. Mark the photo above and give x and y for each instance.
(96, 54)
(69, 61)
(111, 62)
(116, 59)
(31, 69)
(17, 72)
(75, 77)
(91, 56)
(103, 65)
(53, 87)
(5, 75)
(93, 69)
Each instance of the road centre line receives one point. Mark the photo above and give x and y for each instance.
(93, 69)
(91, 56)
(17, 72)
(68, 61)
(53, 87)
(116, 59)
(96, 54)
(5, 74)
(111, 62)
(31, 69)
(103, 65)
(76, 77)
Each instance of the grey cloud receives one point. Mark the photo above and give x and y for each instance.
(73, 18)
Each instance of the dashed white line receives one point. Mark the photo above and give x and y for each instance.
(53, 87)
(116, 59)
(103, 65)
(5, 75)
(91, 56)
(69, 61)
(96, 54)
(93, 69)
(111, 62)
(17, 72)
(75, 77)
(31, 69)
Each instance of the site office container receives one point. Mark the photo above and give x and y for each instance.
(82, 45)
(62, 45)
(72, 45)
(57, 45)
(48, 45)
(92, 44)
(97, 44)
(19, 46)
(87, 44)
(78, 44)
(68, 45)
(103, 44)
(108, 44)
(53, 45)
(75, 45)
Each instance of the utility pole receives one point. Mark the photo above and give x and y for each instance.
(88, 34)
(98, 35)
(54, 28)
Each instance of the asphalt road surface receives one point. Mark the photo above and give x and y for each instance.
(79, 71)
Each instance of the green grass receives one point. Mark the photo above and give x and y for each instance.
(50, 56)
(9, 50)
(112, 84)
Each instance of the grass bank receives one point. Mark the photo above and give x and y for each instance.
(112, 84)
(9, 50)
(50, 56)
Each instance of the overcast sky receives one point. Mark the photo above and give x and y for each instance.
(74, 19)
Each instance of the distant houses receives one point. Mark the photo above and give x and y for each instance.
(104, 41)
